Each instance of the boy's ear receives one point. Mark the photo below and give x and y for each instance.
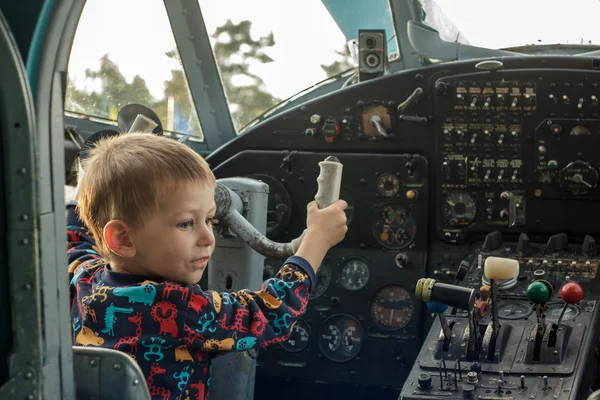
(118, 239)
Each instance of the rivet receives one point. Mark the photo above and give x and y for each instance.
(184, 12)
(24, 242)
(199, 62)
(24, 217)
(117, 366)
(30, 397)
(28, 375)
(206, 87)
(93, 363)
(22, 170)
(212, 110)
(136, 382)
(191, 37)
(27, 286)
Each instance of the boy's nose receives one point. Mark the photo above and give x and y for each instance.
(206, 237)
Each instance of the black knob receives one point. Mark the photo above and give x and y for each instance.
(424, 381)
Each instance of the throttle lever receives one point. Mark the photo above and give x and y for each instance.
(328, 192)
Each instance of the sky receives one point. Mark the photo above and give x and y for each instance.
(136, 34)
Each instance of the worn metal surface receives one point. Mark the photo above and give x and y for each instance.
(201, 70)
(17, 129)
(234, 266)
(106, 374)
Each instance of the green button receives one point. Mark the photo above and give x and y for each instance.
(538, 292)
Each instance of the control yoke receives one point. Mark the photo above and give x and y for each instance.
(230, 206)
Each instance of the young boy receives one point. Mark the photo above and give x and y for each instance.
(148, 202)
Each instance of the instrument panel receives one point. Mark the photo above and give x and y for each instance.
(434, 160)
(363, 303)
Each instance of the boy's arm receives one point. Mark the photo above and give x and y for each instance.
(81, 247)
(242, 320)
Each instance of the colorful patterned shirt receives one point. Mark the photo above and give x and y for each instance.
(173, 331)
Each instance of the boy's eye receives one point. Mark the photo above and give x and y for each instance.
(211, 221)
(185, 224)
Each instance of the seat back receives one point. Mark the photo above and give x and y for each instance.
(106, 374)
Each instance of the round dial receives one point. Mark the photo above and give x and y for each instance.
(298, 339)
(323, 280)
(388, 185)
(392, 307)
(354, 274)
(579, 177)
(393, 226)
(279, 205)
(514, 309)
(554, 310)
(459, 208)
(341, 338)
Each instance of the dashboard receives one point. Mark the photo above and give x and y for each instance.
(443, 165)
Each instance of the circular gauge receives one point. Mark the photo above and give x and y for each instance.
(323, 280)
(459, 208)
(514, 309)
(393, 226)
(298, 339)
(554, 310)
(279, 206)
(579, 177)
(388, 185)
(354, 274)
(392, 307)
(341, 338)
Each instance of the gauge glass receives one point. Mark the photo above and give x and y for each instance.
(388, 185)
(341, 338)
(459, 208)
(298, 339)
(514, 309)
(392, 307)
(323, 280)
(354, 274)
(393, 226)
(554, 310)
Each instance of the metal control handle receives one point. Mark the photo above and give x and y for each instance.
(329, 183)
(230, 207)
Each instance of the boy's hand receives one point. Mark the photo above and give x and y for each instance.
(327, 225)
(324, 229)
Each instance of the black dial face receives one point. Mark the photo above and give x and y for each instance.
(393, 226)
(514, 309)
(459, 208)
(323, 280)
(388, 185)
(341, 338)
(392, 307)
(578, 177)
(279, 206)
(354, 274)
(554, 310)
(298, 340)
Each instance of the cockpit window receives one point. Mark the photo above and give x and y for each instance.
(124, 52)
(270, 50)
(516, 23)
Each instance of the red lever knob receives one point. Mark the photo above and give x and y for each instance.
(571, 293)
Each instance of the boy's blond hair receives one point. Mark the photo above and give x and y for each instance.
(127, 176)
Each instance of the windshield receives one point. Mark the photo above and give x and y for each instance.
(270, 50)
(513, 23)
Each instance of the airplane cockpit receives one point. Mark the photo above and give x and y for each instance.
(463, 136)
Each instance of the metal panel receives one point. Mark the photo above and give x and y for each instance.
(17, 129)
(53, 45)
(201, 71)
(234, 266)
